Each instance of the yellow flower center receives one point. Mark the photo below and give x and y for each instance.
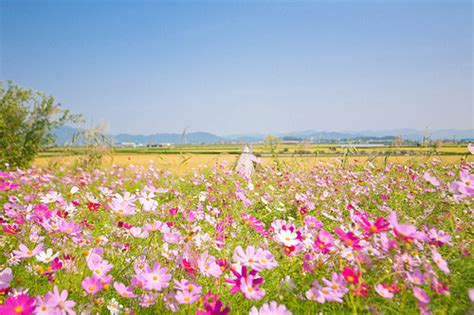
(18, 309)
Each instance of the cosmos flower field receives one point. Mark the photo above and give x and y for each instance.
(333, 239)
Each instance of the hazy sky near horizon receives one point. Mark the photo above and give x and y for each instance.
(246, 66)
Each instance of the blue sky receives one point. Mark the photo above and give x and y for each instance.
(246, 66)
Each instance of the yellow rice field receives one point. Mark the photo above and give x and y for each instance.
(185, 163)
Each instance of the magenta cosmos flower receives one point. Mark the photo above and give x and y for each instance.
(20, 305)
(348, 238)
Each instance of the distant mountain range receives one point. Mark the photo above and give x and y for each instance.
(64, 135)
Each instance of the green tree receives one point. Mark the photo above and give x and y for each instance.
(271, 143)
(27, 120)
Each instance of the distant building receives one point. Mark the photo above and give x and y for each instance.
(130, 145)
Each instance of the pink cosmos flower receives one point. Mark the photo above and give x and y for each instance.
(45, 306)
(420, 295)
(378, 226)
(99, 266)
(213, 306)
(311, 222)
(138, 281)
(68, 227)
(440, 262)
(122, 207)
(156, 278)
(139, 232)
(416, 277)
(323, 294)
(42, 212)
(60, 302)
(323, 242)
(337, 283)
(406, 232)
(188, 292)
(4, 185)
(24, 252)
(256, 225)
(124, 291)
(208, 266)
(241, 277)
(257, 259)
(383, 291)
(439, 237)
(5, 278)
(187, 297)
(471, 292)
(18, 305)
(350, 275)
(250, 290)
(349, 238)
(466, 185)
(439, 287)
(433, 180)
(271, 308)
(92, 285)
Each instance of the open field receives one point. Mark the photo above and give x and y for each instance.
(186, 158)
(284, 149)
(307, 236)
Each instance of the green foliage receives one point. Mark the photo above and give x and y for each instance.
(271, 143)
(27, 119)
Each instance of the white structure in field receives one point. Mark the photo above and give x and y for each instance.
(245, 164)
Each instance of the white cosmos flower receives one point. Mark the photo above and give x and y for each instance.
(287, 237)
(50, 197)
(46, 256)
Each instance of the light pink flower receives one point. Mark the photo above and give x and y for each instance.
(24, 252)
(440, 262)
(208, 266)
(272, 308)
(124, 291)
(420, 295)
(433, 180)
(60, 301)
(5, 278)
(156, 278)
(383, 291)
